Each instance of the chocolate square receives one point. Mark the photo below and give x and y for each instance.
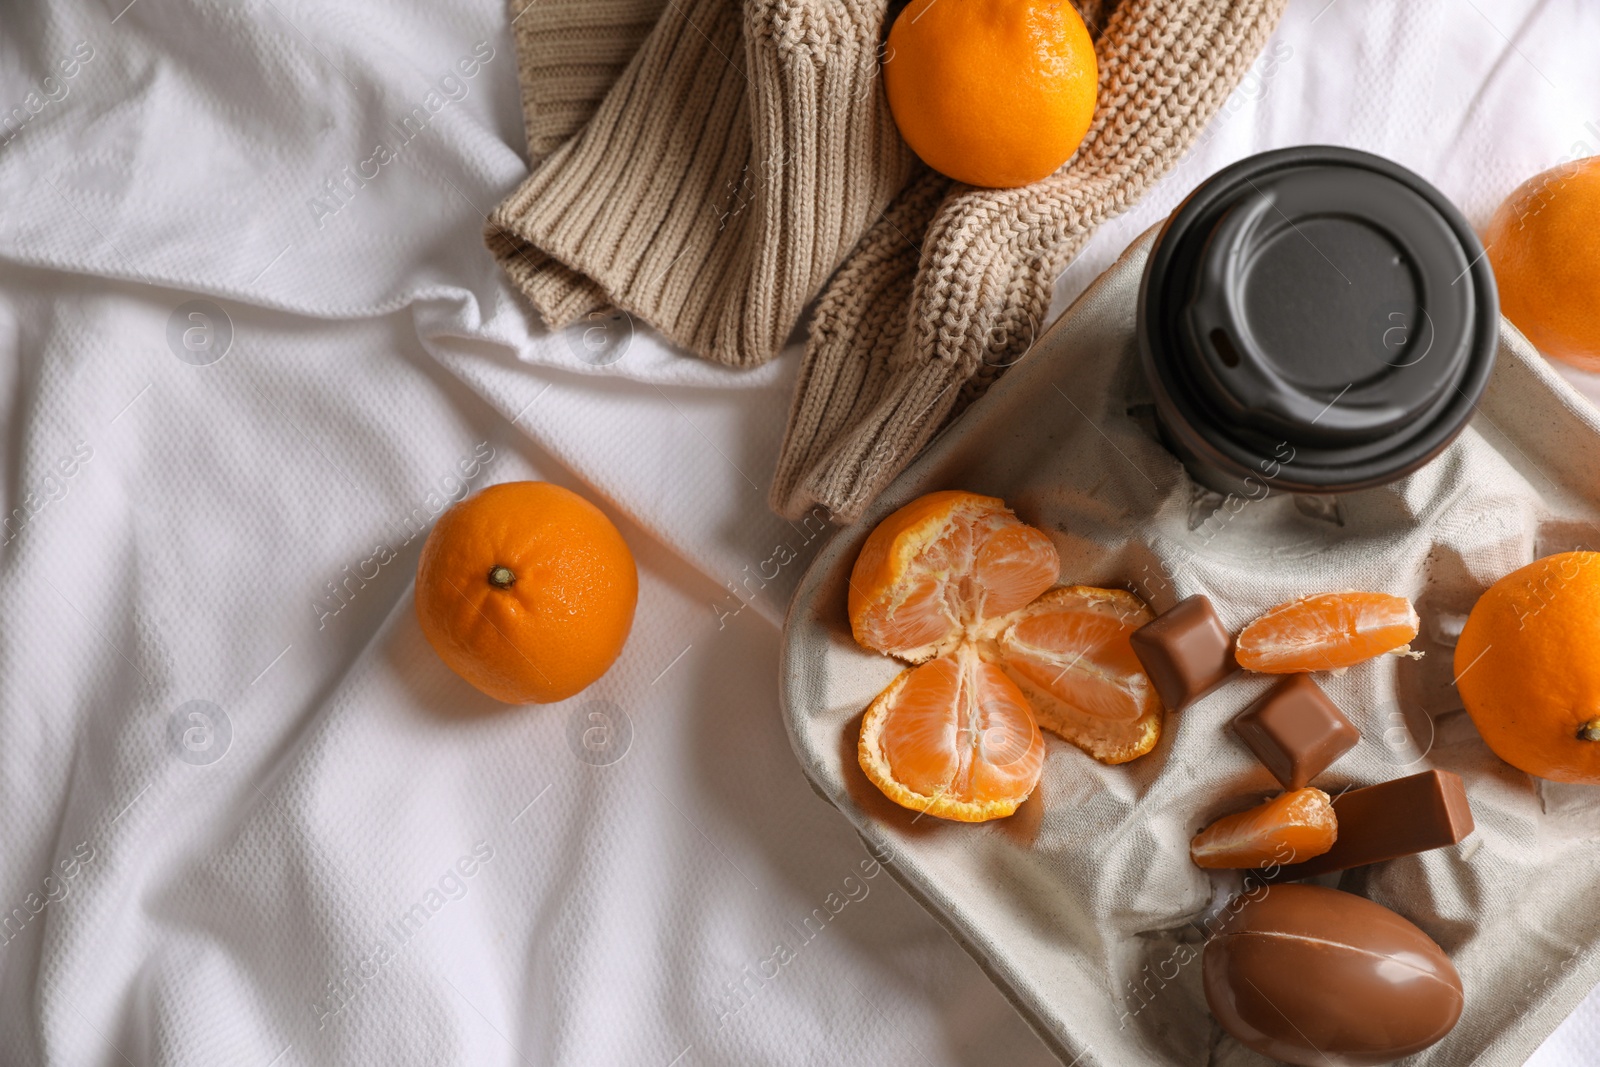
(1296, 731)
(1185, 650)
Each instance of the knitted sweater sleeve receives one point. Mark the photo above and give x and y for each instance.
(745, 154)
(569, 54)
(913, 327)
(739, 156)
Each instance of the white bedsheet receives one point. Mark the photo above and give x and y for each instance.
(252, 343)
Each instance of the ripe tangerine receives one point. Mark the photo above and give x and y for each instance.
(527, 591)
(995, 93)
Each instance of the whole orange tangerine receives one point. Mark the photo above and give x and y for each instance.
(1528, 667)
(997, 93)
(1544, 245)
(527, 591)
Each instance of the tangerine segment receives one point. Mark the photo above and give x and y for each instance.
(1327, 631)
(935, 571)
(1069, 653)
(1286, 829)
(953, 738)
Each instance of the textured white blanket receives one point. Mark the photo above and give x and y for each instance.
(251, 346)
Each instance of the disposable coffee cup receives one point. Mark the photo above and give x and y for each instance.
(1315, 320)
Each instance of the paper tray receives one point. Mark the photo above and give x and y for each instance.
(1083, 906)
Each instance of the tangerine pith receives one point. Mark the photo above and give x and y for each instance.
(953, 738)
(1069, 652)
(932, 573)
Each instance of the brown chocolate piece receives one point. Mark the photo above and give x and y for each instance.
(1185, 650)
(1400, 817)
(1296, 731)
(1313, 976)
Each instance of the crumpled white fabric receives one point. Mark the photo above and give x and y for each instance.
(252, 346)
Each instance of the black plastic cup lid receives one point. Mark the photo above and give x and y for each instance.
(1321, 308)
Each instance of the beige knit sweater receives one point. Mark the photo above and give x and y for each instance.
(712, 168)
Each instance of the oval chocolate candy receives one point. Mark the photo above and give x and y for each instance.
(1315, 976)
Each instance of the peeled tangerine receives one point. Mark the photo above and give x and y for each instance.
(953, 738)
(1289, 828)
(957, 583)
(1328, 632)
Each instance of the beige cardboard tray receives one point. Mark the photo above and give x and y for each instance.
(1083, 906)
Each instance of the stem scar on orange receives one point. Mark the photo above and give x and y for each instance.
(527, 591)
(1528, 667)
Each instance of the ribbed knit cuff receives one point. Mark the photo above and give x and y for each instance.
(561, 295)
(850, 364)
(721, 181)
(911, 406)
(569, 54)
